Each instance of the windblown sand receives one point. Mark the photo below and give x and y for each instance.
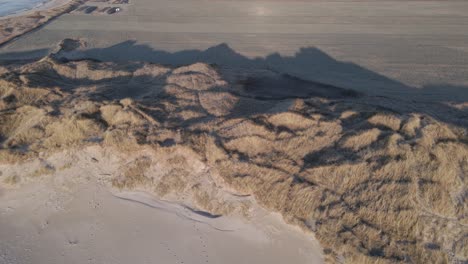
(376, 180)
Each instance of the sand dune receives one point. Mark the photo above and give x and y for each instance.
(375, 179)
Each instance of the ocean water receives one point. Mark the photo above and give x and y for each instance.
(9, 7)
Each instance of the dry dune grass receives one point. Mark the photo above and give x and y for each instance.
(218, 103)
(13, 97)
(250, 145)
(375, 186)
(291, 121)
(115, 115)
(89, 70)
(11, 180)
(134, 174)
(240, 127)
(362, 139)
(71, 131)
(389, 121)
(23, 126)
(198, 76)
(120, 139)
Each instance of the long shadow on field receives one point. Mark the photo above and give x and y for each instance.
(309, 63)
(308, 67)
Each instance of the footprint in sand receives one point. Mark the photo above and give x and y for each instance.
(204, 251)
(171, 252)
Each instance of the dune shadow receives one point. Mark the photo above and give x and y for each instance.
(310, 72)
(22, 56)
(309, 63)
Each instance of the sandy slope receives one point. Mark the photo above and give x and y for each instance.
(72, 217)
